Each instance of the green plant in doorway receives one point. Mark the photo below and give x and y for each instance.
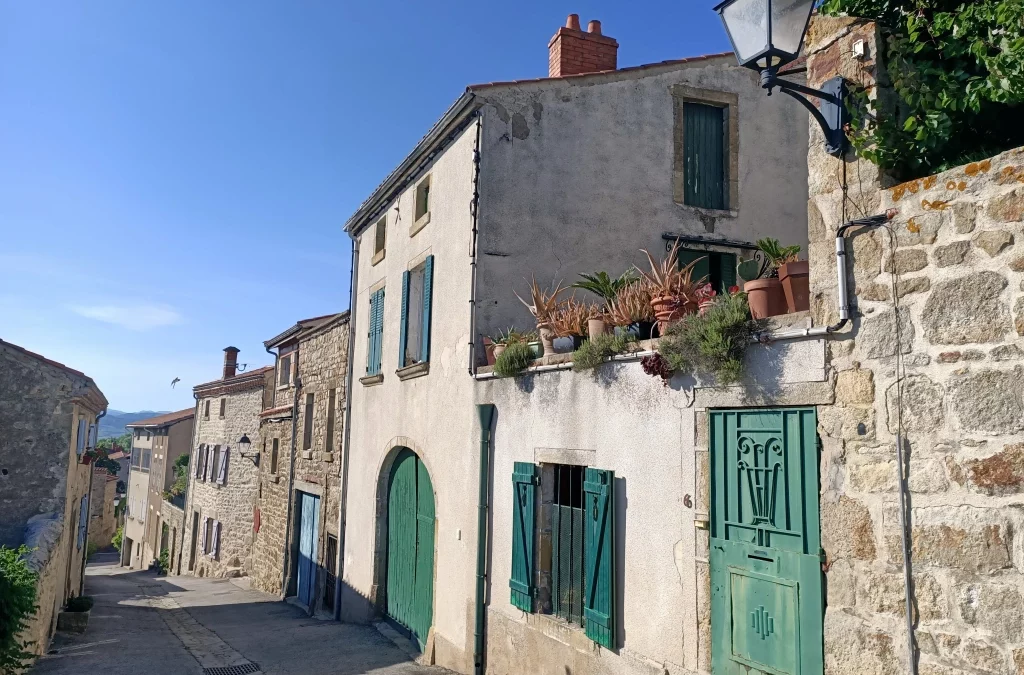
(712, 342)
(18, 602)
(593, 353)
(163, 562)
(516, 358)
(118, 539)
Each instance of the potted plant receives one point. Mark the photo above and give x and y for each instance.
(516, 358)
(765, 294)
(632, 309)
(74, 618)
(795, 278)
(542, 306)
(672, 287)
(503, 340)
(608, 289)
(571, 319)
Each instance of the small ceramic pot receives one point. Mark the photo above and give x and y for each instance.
(596, 327)
(498, 349)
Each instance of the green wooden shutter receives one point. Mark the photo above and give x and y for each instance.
(524, 482)
(428, 287)
(599, 556)
(704, 156)
(702, 269)
(727, 264)
(370, 333)
(404, 328)
(373, 357)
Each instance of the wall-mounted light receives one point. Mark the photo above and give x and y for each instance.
(767, 35)
(244, 444)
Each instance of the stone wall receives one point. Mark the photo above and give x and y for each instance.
(231, 504)
(934, 353)
(323, 358)
(174, 518)
(102, 523)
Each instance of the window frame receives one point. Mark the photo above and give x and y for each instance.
(308, 411)
(380, 240)
(681, 95)
(375, 335)
(206, 409)
(422, 193)
(285, 356)
(423, 304)
(223, 407)
(275, 449)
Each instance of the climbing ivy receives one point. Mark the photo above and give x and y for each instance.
(957, 69)
(17, 604)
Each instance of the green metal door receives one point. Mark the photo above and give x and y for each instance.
(410, 578)
(767, 604)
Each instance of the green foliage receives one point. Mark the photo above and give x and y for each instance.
(776, 254)
(82, 603)
(90, 549)
(163, 562)
(515, 359)
(180, 484)
(592, 353)
(122, 442)
(113, 467)
(118, 538)
(512, 335)
(17, 604)
(957, 68)
(603, 286)
(713, 342)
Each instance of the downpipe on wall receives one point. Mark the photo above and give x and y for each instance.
(474, 214)
(486, 414)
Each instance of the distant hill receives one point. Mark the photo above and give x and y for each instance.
(112, 425)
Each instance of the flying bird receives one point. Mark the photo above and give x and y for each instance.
(175, 381)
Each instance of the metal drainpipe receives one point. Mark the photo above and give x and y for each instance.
(474, 212)
(486, 413)
(286, 572)
(347, 439)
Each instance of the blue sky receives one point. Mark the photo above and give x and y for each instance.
(174, 176)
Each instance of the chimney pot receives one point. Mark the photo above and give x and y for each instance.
(594, 27)
(573, 52)
(230, 361)
(573, 22)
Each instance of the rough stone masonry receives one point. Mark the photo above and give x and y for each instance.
(942, 290)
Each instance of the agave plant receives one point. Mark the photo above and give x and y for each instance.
(571, 316)
(603, 286)
(631, 304)
(776, 254)
(668, 279)
(544, 303)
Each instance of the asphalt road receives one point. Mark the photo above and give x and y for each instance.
(142, 623)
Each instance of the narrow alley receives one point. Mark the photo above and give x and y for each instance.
(185, 625)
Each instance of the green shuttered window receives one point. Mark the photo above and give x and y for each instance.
(376, 333)
(524, 486)
(704, 166)
(719, 268)
(417, 297)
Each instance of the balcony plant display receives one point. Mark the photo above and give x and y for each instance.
(571, 319)
(765, 294)
(542, 305)
(608, 289)
(503, 340)
(516, 358)
(672, 287)
(713, 341)
(632, 308)
(594, 351)
(656, 365)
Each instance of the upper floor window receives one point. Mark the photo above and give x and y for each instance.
(375, 334)
(422, 206)
(704, 157)
(147, 456)
(206, 409)
(717, 267)
(307, 424)
(417, 287)
(273, 457)
(380, 236)
(284, 366)
(223, 407)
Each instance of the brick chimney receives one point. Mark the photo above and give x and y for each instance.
(573, 52)
(230, 361)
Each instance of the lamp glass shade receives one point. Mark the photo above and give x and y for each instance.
(789, 23)
(244, 442)
(746, 22)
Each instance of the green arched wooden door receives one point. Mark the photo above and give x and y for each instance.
(410, 578)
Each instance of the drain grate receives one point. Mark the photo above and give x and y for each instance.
(244, 669)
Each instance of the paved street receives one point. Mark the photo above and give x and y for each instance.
(185, 626)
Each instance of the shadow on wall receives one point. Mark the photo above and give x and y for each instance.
(621, 504)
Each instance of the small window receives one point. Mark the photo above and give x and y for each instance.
(307, 424)
(380, 237)
(330, 563)
(567, 558)
(376, 333)
(719, 269)
(416, 299)
(284, 368)
(208, 541)
(705, 162)
(223, 407)
(147, 456)
(273, 457)
(206, 409)
(423, 200)
(332, 401)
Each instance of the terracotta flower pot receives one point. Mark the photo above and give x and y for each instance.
(765, 298)
(489, 351)
(596, 327)
(498, 349)
(666, 310)
(796, 284)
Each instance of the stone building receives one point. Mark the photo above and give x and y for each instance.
(102, 523)
(296, 543)
(552, 177)
(156, 443)
(50, 414)
(222, 488)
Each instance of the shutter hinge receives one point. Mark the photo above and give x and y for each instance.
(535, 593)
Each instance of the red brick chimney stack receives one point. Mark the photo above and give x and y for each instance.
(230, 361)
(573, 52)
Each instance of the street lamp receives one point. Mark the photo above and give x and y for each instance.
(244, 444)
(767, 35)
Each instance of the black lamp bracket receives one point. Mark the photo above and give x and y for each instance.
(253, 457)
(832, 117)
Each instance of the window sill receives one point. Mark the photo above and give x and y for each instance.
(282, 387)
(307, 454)
(714, 213)
(377, 257)
(275, 479)
(371, 380)
(420, 223)
(413, 371)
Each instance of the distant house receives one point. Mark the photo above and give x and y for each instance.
(156, 443)
(50, 415)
